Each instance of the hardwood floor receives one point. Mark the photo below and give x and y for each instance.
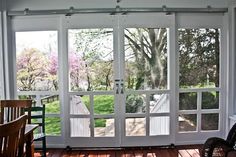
(179, 151)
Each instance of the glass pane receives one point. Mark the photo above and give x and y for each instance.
(53, 126)
(103, 104)
(104, 127)
(210, 121)
(80, 127)
(52, 103)
(79, 104)
(135, 126)
(199, 56)
(159, 103)
(136, 103)
(37, 60)
(187, 122)
(210, 100)
(188, 101)
(22, 97)
(1, 89)
(90, 59)
(159, 126)
(145, 58)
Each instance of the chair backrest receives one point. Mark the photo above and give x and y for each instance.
(231, 138)
(37, 116)
(12, 109)
(12, 137)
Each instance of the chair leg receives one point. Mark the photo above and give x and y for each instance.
(44, 147)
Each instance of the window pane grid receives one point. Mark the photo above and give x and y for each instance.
(199, 81)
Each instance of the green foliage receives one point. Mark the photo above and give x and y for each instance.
(210, 100)
(133, 103)
(199, 57)
(188, 101)
(100, 123)
(53, 126)
(53, 107)
(104, 104)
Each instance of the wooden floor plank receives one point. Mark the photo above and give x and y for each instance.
(184, 153)
(192, 151)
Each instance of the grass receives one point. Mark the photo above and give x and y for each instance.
(53, 126)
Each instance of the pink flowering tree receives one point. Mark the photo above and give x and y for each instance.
(77, 70)
(53, 70)
(31, 70)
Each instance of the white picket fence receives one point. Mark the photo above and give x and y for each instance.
(80, 127)
(160, 125)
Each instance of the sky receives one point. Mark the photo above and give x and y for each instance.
(45, 41)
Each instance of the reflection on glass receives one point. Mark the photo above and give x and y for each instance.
(90, 59)
(53, 126)
(159, 126)
(37, 60)
(136, 103)
(104, 127)
(145, 58)
(51, 102)
(210, 121)
(135, 126)
(1, 91)
(80, 127)
(199, 57)
(159, 103)
(103, 104)
(210, 100)
(79, 104)
(188, 101)
(22, 97)
(187, 122)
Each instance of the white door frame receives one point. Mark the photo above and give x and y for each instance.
(160, 20)
(205, 21)
(86, 22)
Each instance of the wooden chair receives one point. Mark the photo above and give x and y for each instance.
(218, 147)
(12, 109)
(38, 117)
(12, 137)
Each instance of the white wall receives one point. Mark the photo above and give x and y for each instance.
(64, 4)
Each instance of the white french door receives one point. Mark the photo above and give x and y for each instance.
(119, 80)
(147, 116)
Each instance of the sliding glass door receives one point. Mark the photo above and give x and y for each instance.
(123, 80)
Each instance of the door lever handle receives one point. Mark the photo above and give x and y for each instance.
(117, 88)
(122, 88)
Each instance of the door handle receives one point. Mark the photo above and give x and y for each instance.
(117, 88)
(122, 88)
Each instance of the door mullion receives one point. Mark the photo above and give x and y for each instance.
(91, 97)
(148, 115)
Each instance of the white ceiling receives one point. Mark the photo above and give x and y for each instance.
(64, 4)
